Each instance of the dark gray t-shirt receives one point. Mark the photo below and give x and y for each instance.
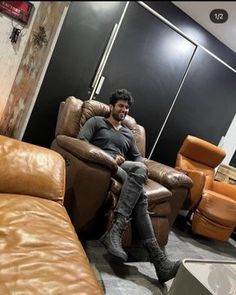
(100, 132)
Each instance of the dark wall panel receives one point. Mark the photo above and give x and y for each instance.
(76, 56)
(193, 30)
(204, 108)
(149, 59)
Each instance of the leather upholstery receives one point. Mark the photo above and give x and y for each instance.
(18, 169)
(213, 202)
(89, 174)
(40, 251)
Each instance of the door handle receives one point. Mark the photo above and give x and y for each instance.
(100, 85)
(107, 52)
(96, 78)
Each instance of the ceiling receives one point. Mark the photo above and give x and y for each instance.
(200, 11)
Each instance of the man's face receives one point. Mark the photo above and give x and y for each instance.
(120, 110)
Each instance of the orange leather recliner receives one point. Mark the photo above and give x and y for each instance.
(212, 203)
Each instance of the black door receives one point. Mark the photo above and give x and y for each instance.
(80, 45)
(204, 108)
(149, 59)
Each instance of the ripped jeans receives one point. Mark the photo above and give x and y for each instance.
(133, 200)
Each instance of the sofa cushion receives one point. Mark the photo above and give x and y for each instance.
(218, 208)
(40, 252)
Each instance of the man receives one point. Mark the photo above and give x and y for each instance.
(117, 140)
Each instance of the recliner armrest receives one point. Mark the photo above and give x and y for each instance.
(32, 170)
(167, 176)
(198, 178)
(225, 188)
(86, 151)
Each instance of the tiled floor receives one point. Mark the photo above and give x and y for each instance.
(137, 276)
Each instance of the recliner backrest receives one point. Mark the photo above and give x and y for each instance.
(68, 118)
(73, 113)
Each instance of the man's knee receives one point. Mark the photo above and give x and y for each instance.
(139, 170)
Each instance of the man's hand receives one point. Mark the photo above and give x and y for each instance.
(119, 159)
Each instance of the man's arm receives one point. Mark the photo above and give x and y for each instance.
(88, 130)
(134, 153)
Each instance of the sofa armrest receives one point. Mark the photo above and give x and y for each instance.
(167, 176)
(86, 151)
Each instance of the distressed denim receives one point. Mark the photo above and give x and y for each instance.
(132, 200)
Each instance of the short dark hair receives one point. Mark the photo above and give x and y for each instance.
(121, 94)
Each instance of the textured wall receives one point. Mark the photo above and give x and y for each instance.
(30, 68)
(11, 53)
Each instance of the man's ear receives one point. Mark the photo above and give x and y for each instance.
(111, 107)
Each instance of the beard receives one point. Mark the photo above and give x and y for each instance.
(118, 116)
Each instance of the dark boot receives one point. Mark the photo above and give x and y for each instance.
(165, 269)
(112, 237)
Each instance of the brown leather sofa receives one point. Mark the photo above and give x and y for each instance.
(212, 203)
(40, 251)
(92, 192)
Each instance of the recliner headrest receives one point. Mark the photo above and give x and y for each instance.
(202, 151)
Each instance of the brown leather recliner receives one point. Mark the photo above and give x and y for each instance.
(213, 203)
(92, 192)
